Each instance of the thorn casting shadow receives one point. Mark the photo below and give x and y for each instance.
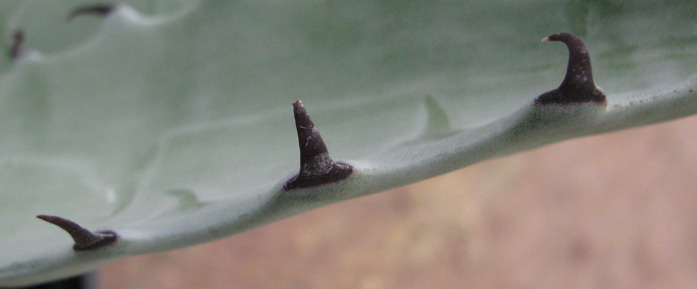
(578, 85)
(316, 167)
(17, 44)
(84, 239)
(101, 10)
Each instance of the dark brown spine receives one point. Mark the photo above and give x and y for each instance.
(316, 166)
(84, 239)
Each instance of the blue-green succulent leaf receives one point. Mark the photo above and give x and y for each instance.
(170, 122)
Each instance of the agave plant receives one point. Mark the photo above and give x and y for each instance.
(160, 125)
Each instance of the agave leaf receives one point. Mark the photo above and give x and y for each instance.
(170, 122)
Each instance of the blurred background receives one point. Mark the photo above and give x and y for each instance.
(610, 211)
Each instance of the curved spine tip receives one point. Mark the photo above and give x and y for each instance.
(578, 85)
(84, 239)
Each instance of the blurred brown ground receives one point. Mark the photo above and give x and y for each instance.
(612, 211)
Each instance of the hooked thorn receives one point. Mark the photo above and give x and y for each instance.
(84, 239)
(578, 85)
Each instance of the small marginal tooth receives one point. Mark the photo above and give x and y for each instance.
(311, 144)
(84, 239)
(316, 167)
(578, 85)
(17, 44)
(94, 9)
